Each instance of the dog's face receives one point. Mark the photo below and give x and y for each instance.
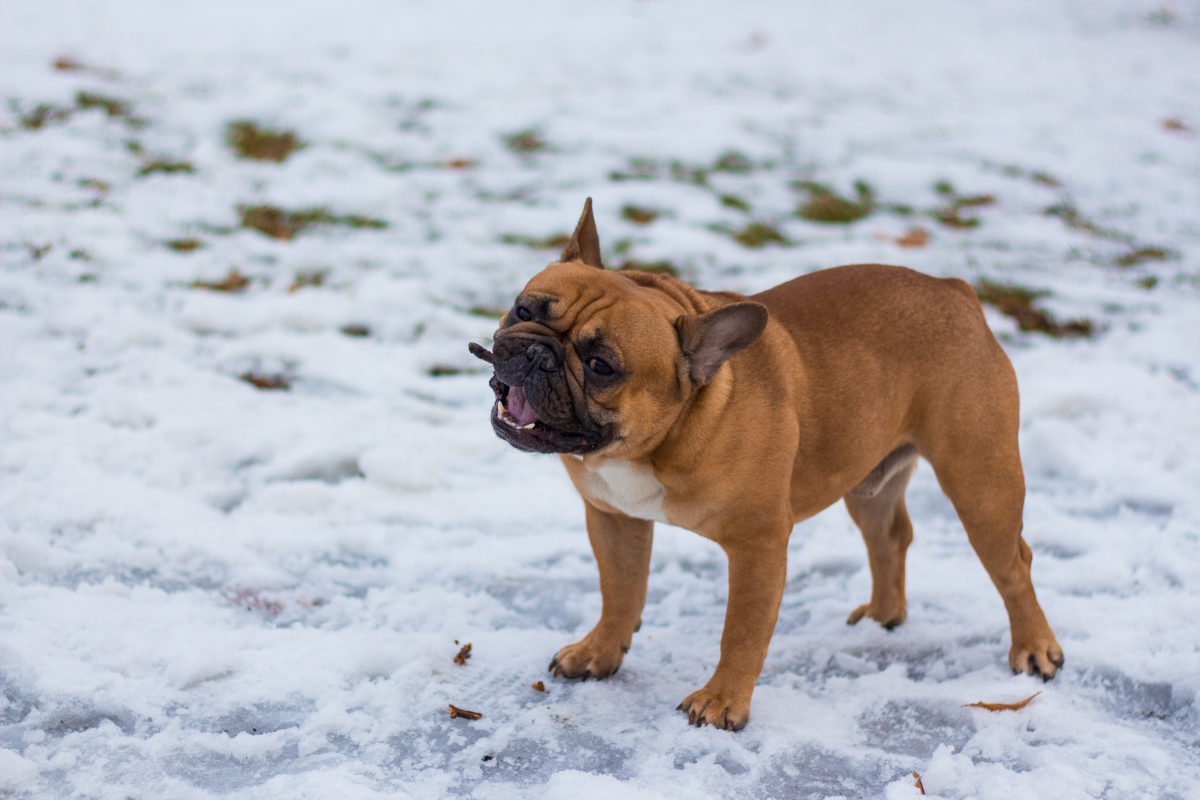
(584, 360)
(588, 359)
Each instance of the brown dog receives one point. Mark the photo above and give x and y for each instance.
(738, 417)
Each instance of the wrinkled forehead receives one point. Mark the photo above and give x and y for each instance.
(588, 304)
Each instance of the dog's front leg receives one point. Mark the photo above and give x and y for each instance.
(757, 573)
(622, 548)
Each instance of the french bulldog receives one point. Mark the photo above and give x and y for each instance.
(737, 417)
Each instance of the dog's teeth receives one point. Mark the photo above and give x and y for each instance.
(527, 427)
(500, 407)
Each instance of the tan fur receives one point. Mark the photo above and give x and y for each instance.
(858, 370)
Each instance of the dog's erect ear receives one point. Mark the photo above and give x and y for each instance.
(709, 340)
(584, 247)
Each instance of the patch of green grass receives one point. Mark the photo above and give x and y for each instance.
(37, 251)
(1073, 219)
(86, 101)
(639, 169)
(185, 245)
(975, 200)
(166, 167)
(950, 214)
(653, 267)
(754, 235)
(1017, 302)
(44, 113)
(734, 202)
(306, 278)
(1148, 281)
(285, 225)
(36, 119)
(248, 140)
(951, 219)
(824, 205)
(638, 215)
(684, 173)
(525, 142)
(733, 161)
(488, 312)
(446, 371)
(556, 241)
(356, 331)
(1144, 254)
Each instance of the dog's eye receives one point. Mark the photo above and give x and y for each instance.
(523, 314)
(599, 366)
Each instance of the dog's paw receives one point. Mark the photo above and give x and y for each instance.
(887, 617)
(592, 656)
(717, 706)
(1043, 658)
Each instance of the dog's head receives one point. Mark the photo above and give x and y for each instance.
(591, 359)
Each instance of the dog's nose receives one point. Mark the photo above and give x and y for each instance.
(541, 357)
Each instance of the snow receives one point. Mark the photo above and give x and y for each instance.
(210, 590)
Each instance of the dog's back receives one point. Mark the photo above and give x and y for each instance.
(889, 358)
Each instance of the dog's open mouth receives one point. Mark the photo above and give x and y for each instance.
(515, 421)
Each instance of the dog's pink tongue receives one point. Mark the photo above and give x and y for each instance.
(519, 407)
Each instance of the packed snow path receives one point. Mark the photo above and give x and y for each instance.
(250, 502)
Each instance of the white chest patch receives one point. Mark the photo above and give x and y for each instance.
(630, 488)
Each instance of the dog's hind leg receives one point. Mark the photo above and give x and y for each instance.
(979, 469)
(877, 506)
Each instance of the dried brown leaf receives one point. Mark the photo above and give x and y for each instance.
(538, 687)
(1003, 706)
(267, 382)
(68, 64)
(920, 785)
(914, 237)
(463, 655)
(233, 282)
(251, 600)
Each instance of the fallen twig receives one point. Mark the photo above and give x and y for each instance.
(479, 352)
(455, 712)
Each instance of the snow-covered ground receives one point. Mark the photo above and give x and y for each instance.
(209, 589)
